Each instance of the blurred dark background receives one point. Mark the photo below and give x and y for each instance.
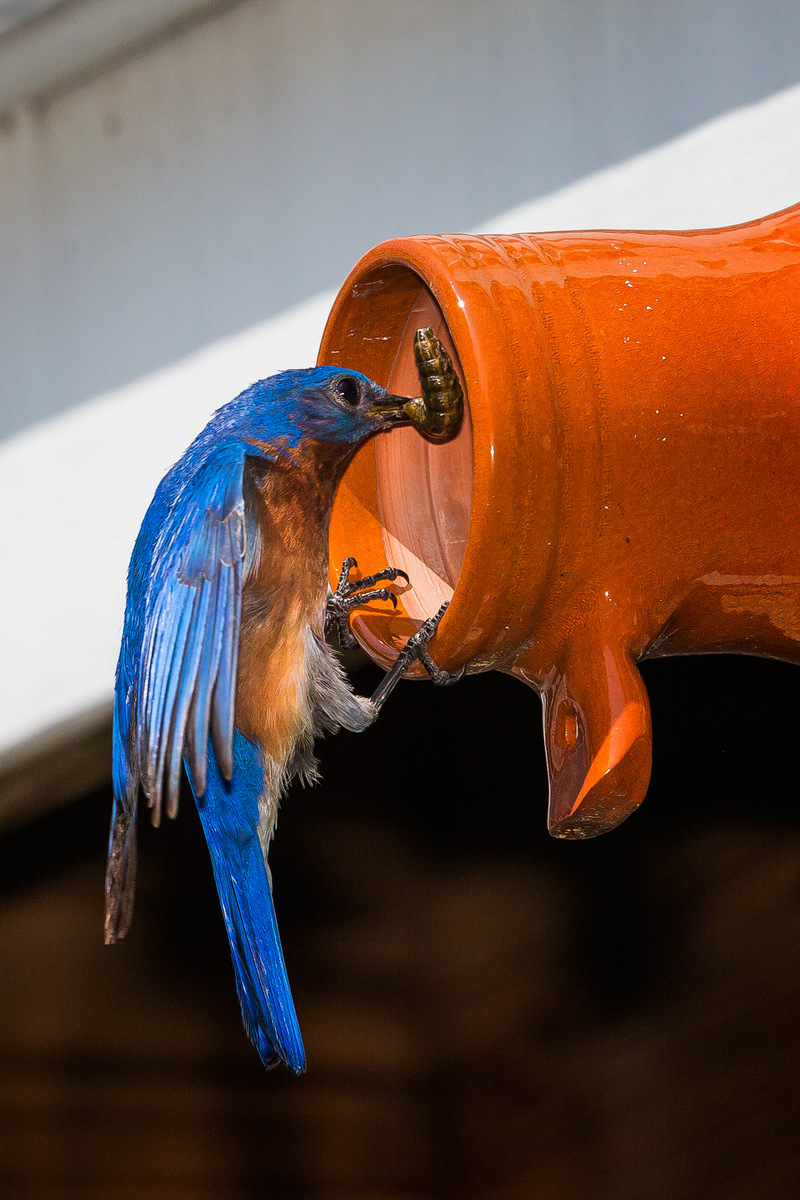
(488, 1012)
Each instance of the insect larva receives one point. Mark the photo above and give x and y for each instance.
(438, 411)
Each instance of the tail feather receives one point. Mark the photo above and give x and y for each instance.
(121, 867)
(121, 870)
(229, 816)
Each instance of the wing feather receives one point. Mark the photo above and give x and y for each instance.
(200, 706)
(187, 671)
(221, 723)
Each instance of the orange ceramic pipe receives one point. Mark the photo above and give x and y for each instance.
(626, 483)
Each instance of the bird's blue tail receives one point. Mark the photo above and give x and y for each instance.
(229, 815)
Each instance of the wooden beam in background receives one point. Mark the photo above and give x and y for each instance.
(56, 767)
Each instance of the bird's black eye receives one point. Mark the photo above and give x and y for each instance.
(348, 390)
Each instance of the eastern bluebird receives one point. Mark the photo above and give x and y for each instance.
(224, 666)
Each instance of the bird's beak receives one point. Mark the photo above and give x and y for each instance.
(393, 410)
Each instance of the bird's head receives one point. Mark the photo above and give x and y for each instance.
(341, 406)
(322, 405)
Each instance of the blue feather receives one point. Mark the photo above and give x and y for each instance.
(229, 815)
(189, 650)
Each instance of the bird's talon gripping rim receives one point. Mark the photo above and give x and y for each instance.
(416, 649)
(440, 678)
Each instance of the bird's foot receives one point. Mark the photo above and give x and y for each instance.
(349, 595)
(416, 650)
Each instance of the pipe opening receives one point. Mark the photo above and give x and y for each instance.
(402, 498)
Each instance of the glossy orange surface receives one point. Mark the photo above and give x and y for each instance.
(626, 484)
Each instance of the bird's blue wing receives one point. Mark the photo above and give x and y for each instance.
(190, 639)
(177, 667)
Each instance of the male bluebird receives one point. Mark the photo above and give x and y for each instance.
(224, 666)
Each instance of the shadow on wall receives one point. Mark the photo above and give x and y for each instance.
(487, 1012)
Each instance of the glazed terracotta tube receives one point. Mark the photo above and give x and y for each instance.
(625, 483)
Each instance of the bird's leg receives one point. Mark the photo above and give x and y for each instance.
(416, 649)
(350, 595)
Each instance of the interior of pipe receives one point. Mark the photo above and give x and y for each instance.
(424, 489)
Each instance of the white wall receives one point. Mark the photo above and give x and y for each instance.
(15, 12)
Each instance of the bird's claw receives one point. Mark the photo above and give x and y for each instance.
(351, 595)
(416, 650)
